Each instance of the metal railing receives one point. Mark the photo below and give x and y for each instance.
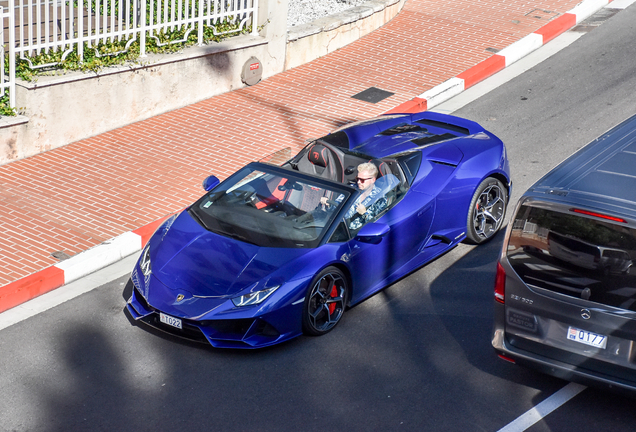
(34, 27)
(7, 39)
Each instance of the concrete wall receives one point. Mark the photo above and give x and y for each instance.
(68, 108)
(62, 109)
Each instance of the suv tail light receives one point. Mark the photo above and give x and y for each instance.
(500, 284)
(598, 215)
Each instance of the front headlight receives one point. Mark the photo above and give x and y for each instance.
(254, 297)
(144, 262)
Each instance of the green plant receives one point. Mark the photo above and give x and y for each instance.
(5, 108)
(116, 52)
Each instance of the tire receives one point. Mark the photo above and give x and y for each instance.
(487, 211)
(325, 302)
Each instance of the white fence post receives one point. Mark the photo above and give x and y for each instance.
(11, 13)
(200, 22)
(80, 28)
(141, 25)
(254, 18)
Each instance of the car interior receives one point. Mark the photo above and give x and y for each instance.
(330, 162)
(333, 163)
(293, 210)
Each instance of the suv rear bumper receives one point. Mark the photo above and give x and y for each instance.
(559, 369)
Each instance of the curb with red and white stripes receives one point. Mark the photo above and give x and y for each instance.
(126, 244)
(76, 267)
(502, 59)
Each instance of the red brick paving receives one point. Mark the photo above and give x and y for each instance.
(75, 197)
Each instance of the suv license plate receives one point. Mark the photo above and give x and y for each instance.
(171, 321)
(587, 338)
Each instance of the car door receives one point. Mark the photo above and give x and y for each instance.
(380, 260)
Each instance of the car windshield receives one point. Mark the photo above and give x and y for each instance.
(270, 208)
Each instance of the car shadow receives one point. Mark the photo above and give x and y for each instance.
(463, 298)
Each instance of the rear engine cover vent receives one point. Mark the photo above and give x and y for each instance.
(432, 139)
(403, 128)
(447, 126)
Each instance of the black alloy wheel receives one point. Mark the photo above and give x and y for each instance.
(487, 210)
(325, 302)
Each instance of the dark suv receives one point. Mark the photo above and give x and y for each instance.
(565, 289)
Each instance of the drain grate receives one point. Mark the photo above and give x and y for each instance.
(60, 255)
(595, 20)
(542, 14)
(373, 95)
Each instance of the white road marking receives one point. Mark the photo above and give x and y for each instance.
(537, 413)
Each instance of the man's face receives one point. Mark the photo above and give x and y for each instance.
(365, 180)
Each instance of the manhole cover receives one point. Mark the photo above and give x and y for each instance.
(373, 95)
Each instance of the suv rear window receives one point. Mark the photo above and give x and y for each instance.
(577, 256)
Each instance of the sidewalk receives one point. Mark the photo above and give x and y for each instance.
(115, 185)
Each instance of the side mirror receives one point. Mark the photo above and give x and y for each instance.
(210, 183)
(372, 233)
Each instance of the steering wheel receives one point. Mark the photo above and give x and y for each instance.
(248, 197)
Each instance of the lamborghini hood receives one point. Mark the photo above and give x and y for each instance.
(206, 264)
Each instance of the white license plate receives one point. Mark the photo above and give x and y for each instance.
(171, 321)
(587, 338)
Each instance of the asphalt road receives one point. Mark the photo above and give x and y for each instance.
(416, 356)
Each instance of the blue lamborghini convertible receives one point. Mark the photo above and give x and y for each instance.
(274, 252)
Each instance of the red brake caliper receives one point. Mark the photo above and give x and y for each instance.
(333, 294)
